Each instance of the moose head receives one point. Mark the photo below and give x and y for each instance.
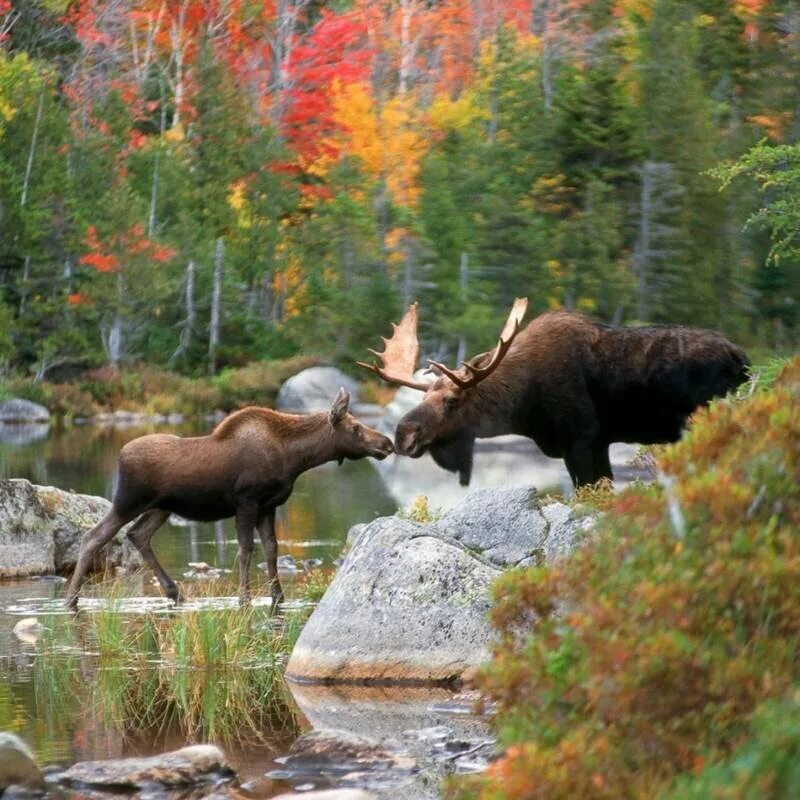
(453, 411)
(352, 438)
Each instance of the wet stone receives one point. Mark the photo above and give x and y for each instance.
(187, 766)
(343, 757)
(330, 794)
(17, 765)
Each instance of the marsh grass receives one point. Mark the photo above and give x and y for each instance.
(211, 673)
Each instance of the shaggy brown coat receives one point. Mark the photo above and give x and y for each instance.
(574, 386)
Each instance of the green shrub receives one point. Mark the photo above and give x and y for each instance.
(258, 383)
(766, 766)
(645, 653)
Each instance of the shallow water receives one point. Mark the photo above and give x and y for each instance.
(66, 726)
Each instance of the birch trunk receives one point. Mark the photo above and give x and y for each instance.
(188, 323)
(29, 166)
(216, 300)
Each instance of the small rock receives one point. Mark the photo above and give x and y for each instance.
(333, 752)
(329, 794)
(288, 564)
(17, 765)
(28, 630)
(181, 767)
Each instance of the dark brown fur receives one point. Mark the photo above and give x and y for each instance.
(574, 386)
(244, 469)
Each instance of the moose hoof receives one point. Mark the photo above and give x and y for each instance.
(277, 599)
(175, 595)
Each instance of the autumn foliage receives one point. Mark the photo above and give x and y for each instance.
(649, 652)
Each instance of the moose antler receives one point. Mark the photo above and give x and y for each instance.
(509, 332)
(400, 353)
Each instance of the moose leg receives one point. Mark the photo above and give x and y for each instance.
(140, 534)
(266, 530)
(602, 463)
(93, 541)
(580, 464)
(246, 518)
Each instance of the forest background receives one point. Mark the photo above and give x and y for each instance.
(198, 185)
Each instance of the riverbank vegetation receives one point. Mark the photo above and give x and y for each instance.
(660, 660)
(151, 390)
(196, 186)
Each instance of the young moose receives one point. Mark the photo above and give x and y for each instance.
(572, 385)
(244, 469)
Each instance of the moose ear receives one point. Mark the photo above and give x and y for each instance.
(339, 408)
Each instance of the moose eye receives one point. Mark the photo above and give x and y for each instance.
(450, 403)
(357, 428)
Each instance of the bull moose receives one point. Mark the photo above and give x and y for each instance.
(572, 385)
(244, 468)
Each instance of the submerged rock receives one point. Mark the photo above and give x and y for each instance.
(28, 630)
(313, 389)
(406, 739)
(189, 765)
(410, 602)
(329, 794)
(41, 528)
(336, 752)
(17, 765)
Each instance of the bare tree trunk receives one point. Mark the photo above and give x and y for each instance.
(188, 323)
(642, 247)
(29, 166)
(216, 300)
(267, 298)
(26, 182)
(463, 282)
(151, 217)
(23, 290)
(113, 340)
(406, 53)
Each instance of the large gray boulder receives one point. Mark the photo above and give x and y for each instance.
(41, 529)
(17, 410)
(17, 765)
(410, 600)
(313, 389)
(26, 540)
(405, 605)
